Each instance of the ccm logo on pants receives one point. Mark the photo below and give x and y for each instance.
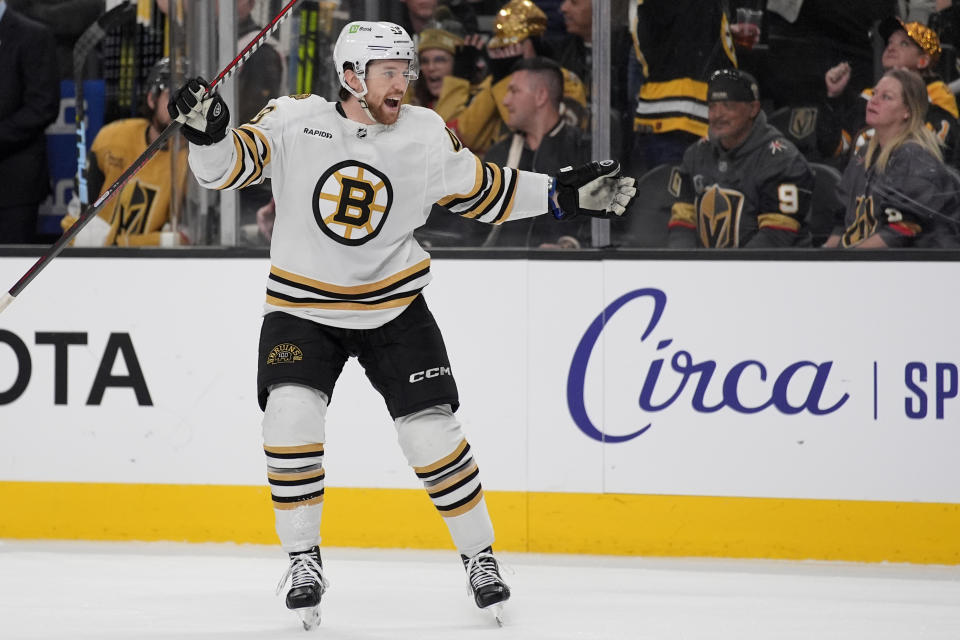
(429, 373)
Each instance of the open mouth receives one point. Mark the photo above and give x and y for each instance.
(392, 103)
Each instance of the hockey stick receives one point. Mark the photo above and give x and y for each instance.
(172, 128)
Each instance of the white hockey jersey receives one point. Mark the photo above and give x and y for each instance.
(348, 198)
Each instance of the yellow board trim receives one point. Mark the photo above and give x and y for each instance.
(616, 524)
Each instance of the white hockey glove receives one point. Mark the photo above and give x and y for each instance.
(204, 119)
(594, 189)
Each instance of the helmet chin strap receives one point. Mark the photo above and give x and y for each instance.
(366, 110)
(360, 97)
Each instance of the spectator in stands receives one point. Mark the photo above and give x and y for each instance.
(910, 45)
(946, 22)
(896, 189)
(261, 76)
(436, 48)
(476, 112)
(67, 19)
(260, 79)
(677, 43)
(743, 186)
(140, 214)
(29, 102)
(418, 14)
(542, 142)
(805, 38)
(575, 53)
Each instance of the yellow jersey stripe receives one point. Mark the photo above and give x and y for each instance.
(354, 289)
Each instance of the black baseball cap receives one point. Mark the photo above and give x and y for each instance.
(732, 85)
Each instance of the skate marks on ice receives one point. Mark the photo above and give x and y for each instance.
(114, 591)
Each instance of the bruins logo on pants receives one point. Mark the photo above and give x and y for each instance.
(351, 202)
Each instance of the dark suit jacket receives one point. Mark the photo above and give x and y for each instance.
(29, 102)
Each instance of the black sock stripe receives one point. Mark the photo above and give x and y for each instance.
(460, 503)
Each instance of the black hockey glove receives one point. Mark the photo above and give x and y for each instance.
(465, 62)
(500, 68)
(594, 189)
(204, 118)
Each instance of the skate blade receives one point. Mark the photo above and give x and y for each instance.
(496, 610)
(309, 616)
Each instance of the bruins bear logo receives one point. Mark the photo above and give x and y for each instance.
(351, 202)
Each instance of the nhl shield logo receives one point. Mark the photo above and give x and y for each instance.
(803, 121)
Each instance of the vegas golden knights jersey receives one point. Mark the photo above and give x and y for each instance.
(756, 195)
(348, 198)
(141, 209)
(913, 202)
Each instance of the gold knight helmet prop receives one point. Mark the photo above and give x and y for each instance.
(362, 42)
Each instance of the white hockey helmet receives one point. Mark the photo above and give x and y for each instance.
(360, 42)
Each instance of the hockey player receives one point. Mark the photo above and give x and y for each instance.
(140, 216)
(352, 180)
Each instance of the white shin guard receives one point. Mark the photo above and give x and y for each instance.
(293, 436)
(435, 447)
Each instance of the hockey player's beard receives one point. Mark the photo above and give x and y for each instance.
(383, 116)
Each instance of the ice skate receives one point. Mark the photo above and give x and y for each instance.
(485, 584)
(307, 586)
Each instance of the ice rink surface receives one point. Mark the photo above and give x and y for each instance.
(140, 591)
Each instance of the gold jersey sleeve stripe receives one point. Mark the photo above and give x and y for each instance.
(360, 288)
(345, 306)
(266, 154)
(442, 462)
(494, 193)
(778, 220)
(238, 163)
(507, 207)
(303, 448)
(477, 186)
(254, 154)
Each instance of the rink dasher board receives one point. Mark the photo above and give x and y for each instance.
(832, 398)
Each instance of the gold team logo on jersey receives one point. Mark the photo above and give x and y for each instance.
(719, 217)
(351, 202)
(285, 353)
(134, 209)
(803, 121)
(864, 224)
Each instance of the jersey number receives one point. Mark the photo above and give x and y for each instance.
(789, 198)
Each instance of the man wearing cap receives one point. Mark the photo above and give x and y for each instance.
(478, 111)
(910, 45)
(744, 185)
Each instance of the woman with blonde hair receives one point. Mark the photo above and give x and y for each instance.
(897, 190)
